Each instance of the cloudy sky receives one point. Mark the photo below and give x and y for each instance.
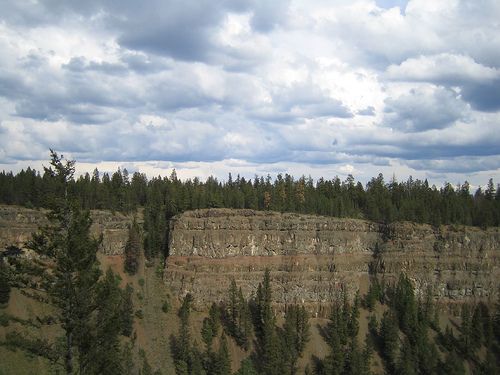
(321, 88)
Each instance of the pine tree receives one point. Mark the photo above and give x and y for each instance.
(4, 282)
(155, 223)
(294, 336)
(389, 338)
(105, 355)
(265, 329)
(182, 346)
(127, 311)
(223, 364)
(66, 247)
(132, 249)
(453, 364)
(65, 274)
(246, 368)
(207, 334)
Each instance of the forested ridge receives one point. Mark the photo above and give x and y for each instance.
(380, 200)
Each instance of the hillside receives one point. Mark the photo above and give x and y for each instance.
(311, 259)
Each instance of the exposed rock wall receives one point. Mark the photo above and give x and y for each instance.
(17, 224)
(312, 258)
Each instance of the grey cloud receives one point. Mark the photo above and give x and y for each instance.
(483, 96)
(368, 111)
(268, 14)
(458, 164)
(421, 110)
(479, 84)
(301, 101)
(80, 65)
(83, 92)
(144, 64)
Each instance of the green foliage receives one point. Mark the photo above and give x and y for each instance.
(165, 307)
(237, 316)
(389, 338)
(294, 335)
(106, 354)
(453, 364)
(127, 311)
(222, 366)
(155, 221)
(65, 274)
(374, 294)
(146, 367)
(4, 282)
(132, 249)
(246, 368)
(379, 200)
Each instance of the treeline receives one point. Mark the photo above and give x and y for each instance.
(407, 337)
(379, 200)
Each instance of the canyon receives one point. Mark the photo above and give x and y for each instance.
(312, 259)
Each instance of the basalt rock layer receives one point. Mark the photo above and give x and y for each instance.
(312, 258)
(18, 223)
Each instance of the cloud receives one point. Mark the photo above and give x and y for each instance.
(457, 165)
(479, 84)
(423, 109)
(268, 14)
(361, 86)
(444, 68)
(300, 101)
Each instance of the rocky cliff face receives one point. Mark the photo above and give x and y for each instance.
(17, 224)
(312, 258)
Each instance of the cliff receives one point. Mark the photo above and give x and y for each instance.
(17, 224)
(312, 258)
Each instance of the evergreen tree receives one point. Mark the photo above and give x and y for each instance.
(106, 353)
(223, 364)
(65, 274)
(389, 338)
(132, 249)
(155, 224)
(246, 368)
(207, 334)
(294, 336)
(71, 287)
(127, 311)
(182, 346)
(453, 364)
(4, 282)
(265, 329)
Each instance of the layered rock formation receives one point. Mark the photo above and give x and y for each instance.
(17, 224)
(312, 258)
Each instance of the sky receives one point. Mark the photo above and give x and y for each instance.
(306, 87)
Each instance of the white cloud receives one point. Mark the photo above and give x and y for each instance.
(444, 67)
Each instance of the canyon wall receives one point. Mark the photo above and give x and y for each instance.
(312, 258)
(17, 224)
